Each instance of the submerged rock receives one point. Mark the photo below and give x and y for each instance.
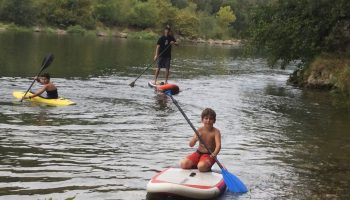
(37, 29)
(61, 32)
(101, 34)
(120, 35)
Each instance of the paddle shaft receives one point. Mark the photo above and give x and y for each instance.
(196, 131)
(31, 85)
(161, 53)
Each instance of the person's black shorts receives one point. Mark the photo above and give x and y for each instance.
(163, 62)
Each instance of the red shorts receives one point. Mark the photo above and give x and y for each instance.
(197, 157)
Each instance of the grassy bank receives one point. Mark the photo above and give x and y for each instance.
(78, 30)
(329, 72)
(118, 32)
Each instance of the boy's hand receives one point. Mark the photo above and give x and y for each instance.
(173, 43)
(155, 57)
(213, 155)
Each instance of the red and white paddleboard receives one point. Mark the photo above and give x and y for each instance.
(187, 183)
(164, 87)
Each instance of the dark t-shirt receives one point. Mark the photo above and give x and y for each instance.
(163, 43)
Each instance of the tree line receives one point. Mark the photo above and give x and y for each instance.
(189, 18)
(290, 30)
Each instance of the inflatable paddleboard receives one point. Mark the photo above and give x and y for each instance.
(187, 183)
(51, 102)
(164, 87)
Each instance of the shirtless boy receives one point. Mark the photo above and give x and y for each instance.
(48, 87)
(201, 158)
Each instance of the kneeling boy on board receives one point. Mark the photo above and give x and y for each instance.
(48, 87)
(201, 158)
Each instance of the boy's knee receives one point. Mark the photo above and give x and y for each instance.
(203, 167)
(186, 164)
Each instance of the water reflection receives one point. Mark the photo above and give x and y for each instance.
(161, 102)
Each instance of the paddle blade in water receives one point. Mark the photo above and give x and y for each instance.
(168, 92)
(233, 183)
(47, 61)
(132, 84)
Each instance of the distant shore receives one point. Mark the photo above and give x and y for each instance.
(116, 33)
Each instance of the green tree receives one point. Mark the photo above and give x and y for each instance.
(18, 11)
(208, 6)
(209, 27)
(194, 18)
(65, 13)
(243, 9)
(105, 11)
(180, 3)
(166, 14)
(187, 23)
(225, 16)
(144, 15)
(113, 12)
(300, 29)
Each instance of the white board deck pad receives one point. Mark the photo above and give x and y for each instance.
(187, 183)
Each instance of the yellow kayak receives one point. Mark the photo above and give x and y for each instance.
(52, 102)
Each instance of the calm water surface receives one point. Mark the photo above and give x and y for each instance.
(283, 142)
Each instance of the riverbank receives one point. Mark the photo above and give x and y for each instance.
(326, 72)
(147, 34)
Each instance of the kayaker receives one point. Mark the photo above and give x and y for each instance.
(163, 51)
(201, 158)
(48, 87)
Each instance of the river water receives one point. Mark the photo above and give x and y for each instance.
(282, 142)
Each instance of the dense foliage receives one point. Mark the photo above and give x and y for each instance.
(190, 18)
(301, 29)
(18, 11)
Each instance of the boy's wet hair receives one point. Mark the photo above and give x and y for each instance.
(46, 75)
(208, 112)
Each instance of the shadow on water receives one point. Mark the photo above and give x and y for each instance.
(161, 102)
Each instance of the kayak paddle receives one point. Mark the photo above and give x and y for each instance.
(46, 62)
(232, 182)
(132, 84)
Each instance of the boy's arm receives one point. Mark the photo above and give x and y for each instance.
(174, 41)
(156, 53)
(193, 140)
(37, 79)
(217, 144)
(39, 92)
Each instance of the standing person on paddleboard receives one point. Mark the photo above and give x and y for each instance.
(211, 136)
(163, 53)
(48, 87)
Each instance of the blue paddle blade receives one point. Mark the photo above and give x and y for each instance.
(233, 183)
(168, 92)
